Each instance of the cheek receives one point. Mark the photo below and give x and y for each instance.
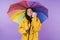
(28, 14)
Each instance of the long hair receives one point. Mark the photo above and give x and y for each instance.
(28, 17)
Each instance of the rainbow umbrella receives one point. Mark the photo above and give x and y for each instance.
(17, 11)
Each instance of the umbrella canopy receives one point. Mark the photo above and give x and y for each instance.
(17, 16)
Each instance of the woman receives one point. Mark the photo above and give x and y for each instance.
(30, 26)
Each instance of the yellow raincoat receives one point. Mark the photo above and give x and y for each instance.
(35, 28)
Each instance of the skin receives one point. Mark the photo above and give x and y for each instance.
(31, 14)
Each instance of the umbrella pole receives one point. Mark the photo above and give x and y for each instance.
(28, 36)
(29, 32)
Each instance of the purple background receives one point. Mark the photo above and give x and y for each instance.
(50, 28)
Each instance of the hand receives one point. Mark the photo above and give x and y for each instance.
(27, 28)
(34, 14)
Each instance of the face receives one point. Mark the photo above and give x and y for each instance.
(29, 12)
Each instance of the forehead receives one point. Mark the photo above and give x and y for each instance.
(29, 9)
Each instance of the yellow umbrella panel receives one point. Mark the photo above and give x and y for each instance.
(18, 16)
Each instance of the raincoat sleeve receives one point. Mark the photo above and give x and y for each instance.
(36, 24)
(21, 28)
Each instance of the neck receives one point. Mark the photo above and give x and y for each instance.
(29, 18)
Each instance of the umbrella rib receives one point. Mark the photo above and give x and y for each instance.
(33, 4)
(21, 5)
